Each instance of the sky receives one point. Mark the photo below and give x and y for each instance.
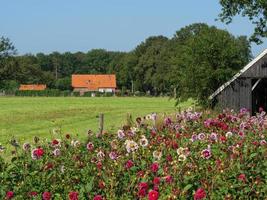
(116, 25)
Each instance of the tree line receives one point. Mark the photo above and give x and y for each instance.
(192, 63)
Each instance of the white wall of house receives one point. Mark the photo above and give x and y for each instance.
(105, 89)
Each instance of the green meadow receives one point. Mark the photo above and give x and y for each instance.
(26, 117)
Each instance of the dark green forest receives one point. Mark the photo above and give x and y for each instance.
(194, 62)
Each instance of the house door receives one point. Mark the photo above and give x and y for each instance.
(259, 94)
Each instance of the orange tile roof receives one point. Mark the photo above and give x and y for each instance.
(94, 81)
(32, 87)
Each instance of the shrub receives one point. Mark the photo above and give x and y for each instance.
(76, 94)
(186, 156)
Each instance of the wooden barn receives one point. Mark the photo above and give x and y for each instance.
(247, 89)
(94, 82)
(36, 87)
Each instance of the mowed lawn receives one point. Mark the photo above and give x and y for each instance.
(26, 117)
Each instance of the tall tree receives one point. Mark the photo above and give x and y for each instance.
(7, 64)
(255, 10)
(149, 62)
(208, 57)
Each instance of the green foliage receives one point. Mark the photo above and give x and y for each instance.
(255, 10)
(7, 63)
(9, 85)
(63, 83)
(43, 93)
(207, 58)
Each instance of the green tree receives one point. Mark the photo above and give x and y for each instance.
(7, 62)
(63, 83)
(208, 57)
(255, 10)
(149, 55)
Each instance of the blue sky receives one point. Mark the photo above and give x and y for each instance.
(80, 25)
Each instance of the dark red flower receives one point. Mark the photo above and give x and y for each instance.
(256, 143)
(55, 142)
(169, 158)
(67, 136)
(141, 174)
(142, 193)
(101, 184)
(218, 162)
(153, 195)
(153, 133)
(98, 197)
(73, 195)
(9, 195)
(48, 166)
(33, 194)
(200, 194)
(38, 153)
(156, 187)
(156, 181)
(174, 145)
(224, 126)
(99, 165)
(168, 179)
(143, 185)
(129, 164)
(46, 196)
(242, 177)
(154, 167)
(223, 139)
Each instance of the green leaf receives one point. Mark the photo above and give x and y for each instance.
(253, 155)
(187, 187)
(89, 185)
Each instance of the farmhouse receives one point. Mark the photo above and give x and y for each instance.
(36, 87)
(94, 82)
(247, 89)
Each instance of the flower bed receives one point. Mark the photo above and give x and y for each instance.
(189, 156)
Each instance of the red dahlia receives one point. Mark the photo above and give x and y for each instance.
(46, 196)
(153, 195)
(98, 197)
(200, 194)
(156, 181)
(73, 195)
(33, 194)
(9, 195)
(154, 167)
(242, 177)
(129, 164)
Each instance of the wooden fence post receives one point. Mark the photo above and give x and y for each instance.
(101, 124)
(129, 119)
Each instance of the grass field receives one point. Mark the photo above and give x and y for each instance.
(26, 117)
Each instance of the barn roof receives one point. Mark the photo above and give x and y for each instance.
(94, 81)
(32, 87)
(249, 65)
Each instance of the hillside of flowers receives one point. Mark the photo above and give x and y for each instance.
(189, 155)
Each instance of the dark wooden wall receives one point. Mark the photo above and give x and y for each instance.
(236, 96)
(258, 70)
